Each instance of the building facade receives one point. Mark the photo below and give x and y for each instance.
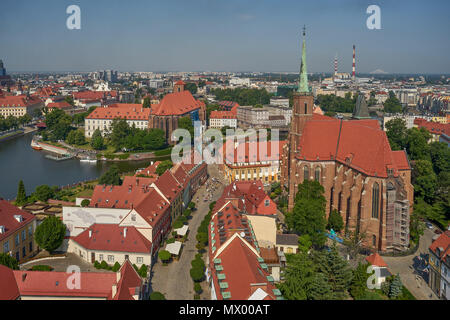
(364, 180)
(17, 229)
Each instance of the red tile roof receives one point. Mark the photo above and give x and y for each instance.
(19, 101)
(376, 260)
(8, 285)
(112, 237)
(358, 143)
(433, 127)
(442, 242)
(222, 115)
(242, 153)
(59, 105)
(121, 110)
(9, 222)
(242, 270)
(93, 284)
(93, 95)
(177, 103)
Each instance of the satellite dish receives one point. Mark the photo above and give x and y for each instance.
(242, 234)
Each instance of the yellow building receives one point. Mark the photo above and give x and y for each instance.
(245, 164)
(17, 232)
(18, 106)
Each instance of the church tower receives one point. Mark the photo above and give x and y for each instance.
(302, 112)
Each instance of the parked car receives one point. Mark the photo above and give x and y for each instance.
(429, 225)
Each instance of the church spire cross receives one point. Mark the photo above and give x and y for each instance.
(303, 77)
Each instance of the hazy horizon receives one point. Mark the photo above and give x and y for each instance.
(224, 36)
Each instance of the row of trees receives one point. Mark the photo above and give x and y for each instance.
(12, 122)
(243, 96)
(124, 136)
(430, 175)
(333, 103)
(41, 193)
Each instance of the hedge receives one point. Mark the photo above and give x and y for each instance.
(41, 267)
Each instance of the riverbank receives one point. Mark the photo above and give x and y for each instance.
(11, 134)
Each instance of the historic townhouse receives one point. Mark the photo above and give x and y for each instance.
(367, 182)
(439, 262)
(17, 232)
(18, 106)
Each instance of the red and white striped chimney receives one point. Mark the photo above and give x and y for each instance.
(335, 66)
(354, 64)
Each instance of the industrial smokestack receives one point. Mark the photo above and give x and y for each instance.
(335, 66)
(354, 64)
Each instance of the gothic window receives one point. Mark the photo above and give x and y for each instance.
(374, 240)
(317, 174)
(375, 200)
(305, 173)
(306, 108)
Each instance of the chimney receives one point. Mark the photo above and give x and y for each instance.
(125, 232)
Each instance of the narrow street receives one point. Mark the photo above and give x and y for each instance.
(174, 280)
(410, 269)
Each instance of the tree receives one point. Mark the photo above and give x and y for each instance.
(308, 215)
(146, 103)
(43, 193)
(358, 286)
(50, 233)
(298, 277)
(155, 295)
(197, 288)
(186, 123)
(335, 269)
(192, 87)
(21, 194)
(111, 177)
(417, 144)
(335, 221)
(440, 157)
(69, 100)
(396, 133)
(202, 237)
(196, 274)
(416, 226)
(85, 202)
(392, 104)
(304, 243)
(115, 267)
(396, 287)
(424, 180)
(143, 271)
(163, 167)
(97, 141)
(120, 130)
(8, 261)
(164, 255)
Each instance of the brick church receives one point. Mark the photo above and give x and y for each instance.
(367, 182)
(180, 103)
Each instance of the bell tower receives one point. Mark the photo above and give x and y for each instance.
(302, 112)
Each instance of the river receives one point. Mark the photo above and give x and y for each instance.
(19, 161)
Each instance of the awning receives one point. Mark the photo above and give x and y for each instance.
(182, 231)
(174, 248)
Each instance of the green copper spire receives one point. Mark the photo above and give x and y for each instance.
(303, 79)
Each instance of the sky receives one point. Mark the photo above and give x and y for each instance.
(224, 35)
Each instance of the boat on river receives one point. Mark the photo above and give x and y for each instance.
(35, 145)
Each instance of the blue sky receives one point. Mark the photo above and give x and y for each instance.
(224, 35)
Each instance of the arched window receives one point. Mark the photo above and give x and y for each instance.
(375, 200)
(305, 173)
(374, 240)
(317, 174)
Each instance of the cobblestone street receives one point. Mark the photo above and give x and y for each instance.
(174, 280)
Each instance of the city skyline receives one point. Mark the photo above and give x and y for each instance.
(224, 36)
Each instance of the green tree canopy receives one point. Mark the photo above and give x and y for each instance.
(8, 261)
(97, 141)
(155, 295)
(164, 255)
(308, 216)
(392, 104)
(396, 133)
(163, 167)
(50, 233)
(111, 176)
(21, 194)
(335, 221)
(43, 193)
